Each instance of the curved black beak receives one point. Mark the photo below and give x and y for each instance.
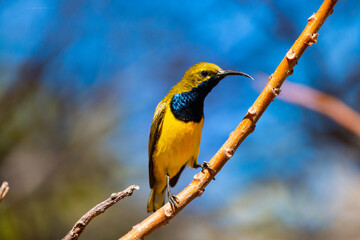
(224, 73)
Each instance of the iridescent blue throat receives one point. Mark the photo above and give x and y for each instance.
(189, 106)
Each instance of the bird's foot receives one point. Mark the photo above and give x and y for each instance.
(173, 199)
(204, 165)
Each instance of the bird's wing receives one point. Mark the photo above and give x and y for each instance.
(155, 131)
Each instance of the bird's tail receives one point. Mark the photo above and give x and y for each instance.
(156, 200)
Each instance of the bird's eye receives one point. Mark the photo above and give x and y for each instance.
(204, 73)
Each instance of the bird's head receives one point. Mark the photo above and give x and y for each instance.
(205, 74)
(186, 98)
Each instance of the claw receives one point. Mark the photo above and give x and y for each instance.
(173, 201)
(204, 165)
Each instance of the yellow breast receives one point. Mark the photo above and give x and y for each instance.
(178, 145)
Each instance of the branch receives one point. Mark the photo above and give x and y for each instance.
(323, 103)
(4, 190)
(80, 225)
(247, 126)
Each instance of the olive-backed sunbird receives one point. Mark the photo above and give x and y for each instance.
(176, 127)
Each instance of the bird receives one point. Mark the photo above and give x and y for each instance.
(175, 132)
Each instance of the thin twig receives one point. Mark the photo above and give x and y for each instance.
(4, 190)
(323, 103)
(80, 225)
(247, 126)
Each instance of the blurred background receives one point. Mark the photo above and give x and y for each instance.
(79, 83)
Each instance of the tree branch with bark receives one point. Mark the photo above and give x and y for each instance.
(81, 224)
(323, 103)
(246, 126)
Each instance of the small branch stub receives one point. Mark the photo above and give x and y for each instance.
(312, 39)
(252, 128)
(290, 55)
(276, 91)
(252, 111)
(229, 152)
(290, 72)
(197, 177)
(271, 76)
(312, 17)
(168, 211)
(201, 191)
(4, 190)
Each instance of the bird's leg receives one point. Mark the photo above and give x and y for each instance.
(172, 197)
(204, 165)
